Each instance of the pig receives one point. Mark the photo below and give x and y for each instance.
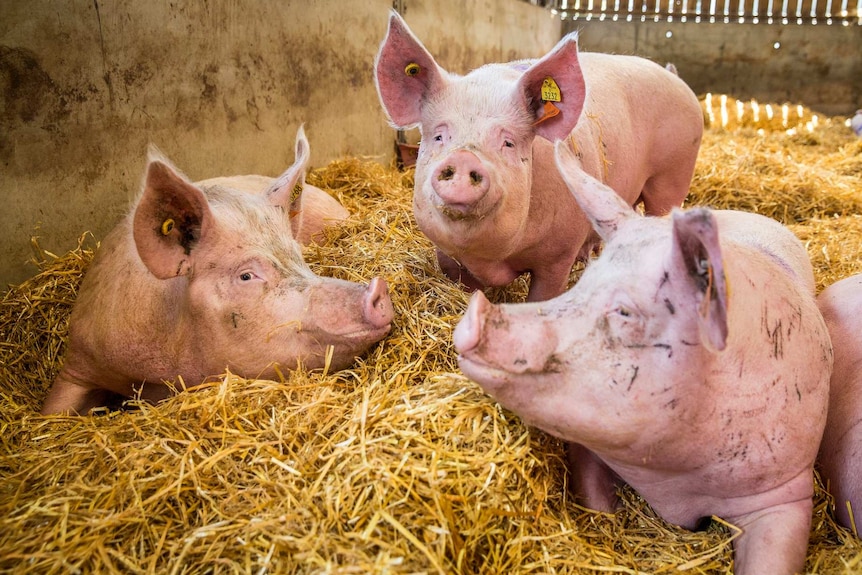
(689, 361)
(197, 279)
(311, 210)
(841, 450)
(487, 192)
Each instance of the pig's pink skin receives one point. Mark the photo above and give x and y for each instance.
(310, 212)
(694, 367)
(224, 287)
(487, 191)
(841, 449)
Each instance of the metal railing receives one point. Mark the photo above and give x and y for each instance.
(828, 12)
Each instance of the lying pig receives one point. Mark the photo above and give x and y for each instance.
(487, 191)
(841, 450)
(689, 361)
(198, 279)
(311, 209)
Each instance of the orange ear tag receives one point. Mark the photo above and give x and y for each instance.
(548, 112)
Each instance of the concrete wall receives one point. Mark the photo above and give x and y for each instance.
(219, 86)
(818, 66)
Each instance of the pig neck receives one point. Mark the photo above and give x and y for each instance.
(125, 312)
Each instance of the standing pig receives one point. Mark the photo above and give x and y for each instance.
(198, 279)
(841, 450)
(487, 191)
(707, 400)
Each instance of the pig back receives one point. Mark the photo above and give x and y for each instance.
(778, 358)
(639, 121)
(772, 239)
(319, 209)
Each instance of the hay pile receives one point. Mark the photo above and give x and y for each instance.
(397, 465)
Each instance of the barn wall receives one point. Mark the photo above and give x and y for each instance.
(816, 65)
(220, 86)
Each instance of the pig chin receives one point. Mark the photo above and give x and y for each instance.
(488, 376)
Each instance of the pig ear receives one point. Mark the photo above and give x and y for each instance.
(556, 79)
(603, 206)
(286, 191)
(171, 217)
(696, 253)
(405, 73)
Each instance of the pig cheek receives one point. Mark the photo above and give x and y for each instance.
(263, 326)
(626, 332)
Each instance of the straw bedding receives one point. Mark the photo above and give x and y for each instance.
(396, 465)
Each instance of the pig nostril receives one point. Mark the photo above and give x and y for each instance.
(446, 173)
(378, 307)
(475, 178)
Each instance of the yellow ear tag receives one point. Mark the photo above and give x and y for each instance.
(412, 69)
(294, 195)
(167, 226)
(550, 90)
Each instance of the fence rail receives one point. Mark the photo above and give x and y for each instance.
(828, 12)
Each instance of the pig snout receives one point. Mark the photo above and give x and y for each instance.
(376, 304)
(460, 181)
(487, 337)
(468, 332)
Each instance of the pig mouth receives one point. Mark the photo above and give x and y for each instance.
(354, 339)
(496, 381)
(477, 366)
(484, 369)
(461, 212)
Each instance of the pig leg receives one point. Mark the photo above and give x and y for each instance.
(659, 194)
(551, 281)
(71, 398)
(458, 273)
(774, 540)
(590, 480)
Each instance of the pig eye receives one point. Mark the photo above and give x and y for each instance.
(438, 138)
(624, 311)
(509, 144)
(248, 275)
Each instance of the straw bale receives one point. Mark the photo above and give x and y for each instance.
(398, 464)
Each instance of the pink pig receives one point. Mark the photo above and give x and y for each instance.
(841, 450)
(197, 279)
(487, 191)
(707, 400)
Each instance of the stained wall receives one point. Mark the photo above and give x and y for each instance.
(219, 86)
